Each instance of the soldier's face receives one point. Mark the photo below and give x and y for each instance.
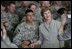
(11, 8)
(2, 8)
(46, 3)
(47, 15)
(58, 2)
(33, 8)
(25, 3)
(30, 17)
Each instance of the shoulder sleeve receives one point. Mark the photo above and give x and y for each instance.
(18, 29)
(17, 39)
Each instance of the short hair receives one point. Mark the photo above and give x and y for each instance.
(45, 9)
(61, 11)
(28, 10)
(9, 3)
(29, 6)
(3, 3)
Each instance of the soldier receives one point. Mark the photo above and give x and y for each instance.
(26, 31)
(54, 7)
(48, 31)
(21, 11)
(36, 11)
(3, 13)
(18, 4)
(5, 41)
(12, 18)
(67, 27)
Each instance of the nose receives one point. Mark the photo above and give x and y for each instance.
(31, 17)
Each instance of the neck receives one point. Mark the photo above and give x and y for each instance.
(2, 11)
(29, 23)
(9, 12)
(25, 7)
(48, 21)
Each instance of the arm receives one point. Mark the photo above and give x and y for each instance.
(39, 41)
(17, 39)
(4, 33)
(60, 31)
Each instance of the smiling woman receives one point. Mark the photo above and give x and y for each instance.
(46, 13)
(48, 31)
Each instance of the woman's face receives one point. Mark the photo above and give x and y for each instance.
(47, 15)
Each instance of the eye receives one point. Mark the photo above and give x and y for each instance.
(48, 12)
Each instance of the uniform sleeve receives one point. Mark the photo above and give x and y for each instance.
(65, 36)
(17, 30)
(17, 39)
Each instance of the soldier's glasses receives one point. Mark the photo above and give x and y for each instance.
(30, 15)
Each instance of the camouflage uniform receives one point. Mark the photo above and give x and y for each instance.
(25, 32)
(38, 16)
(18, 5)
(20, 12)
(54, 11)
(66, 36)
(4, 16)
(13, 21)
(67, 30)
(5, 43)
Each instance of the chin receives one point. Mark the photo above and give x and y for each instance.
(31, 21)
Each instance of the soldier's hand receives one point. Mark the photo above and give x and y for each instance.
(5, 23)
(25, 44)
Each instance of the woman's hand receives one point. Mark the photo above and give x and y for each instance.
(34, 44)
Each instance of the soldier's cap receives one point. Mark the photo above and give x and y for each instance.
(28, 10)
